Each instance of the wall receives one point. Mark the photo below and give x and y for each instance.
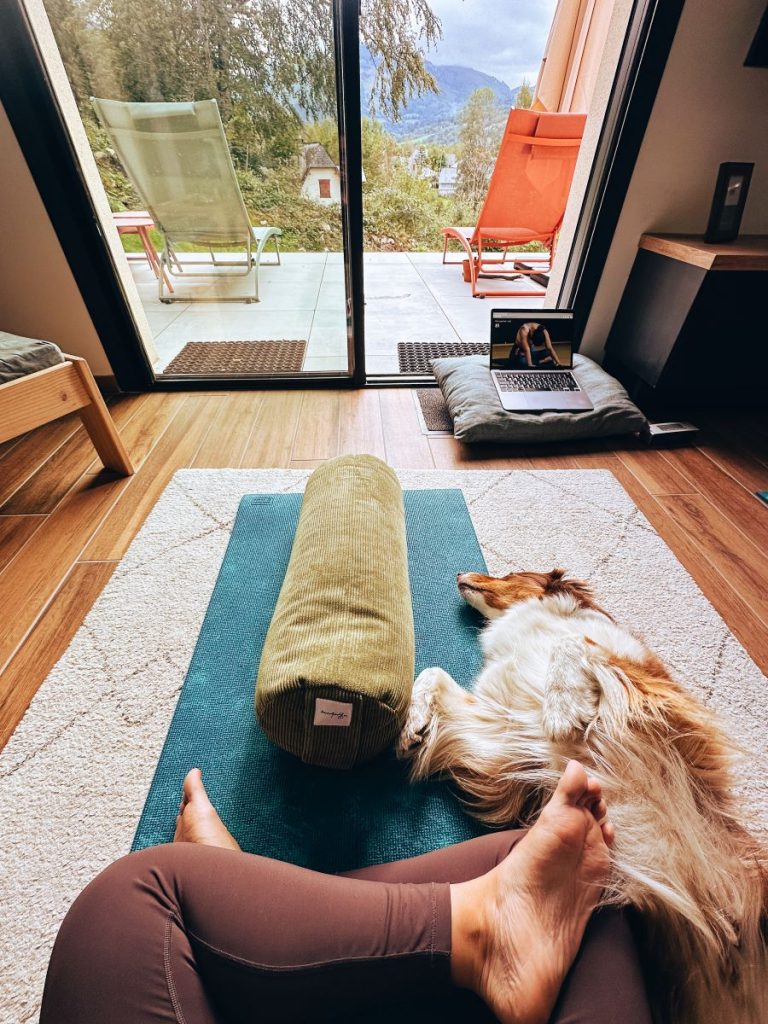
(38, 294)
(311, 185)
(617, 30)
(709, 109)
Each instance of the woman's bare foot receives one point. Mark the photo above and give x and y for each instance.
(517, 929)
(197, 820)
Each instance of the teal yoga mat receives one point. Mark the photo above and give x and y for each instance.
(272, 803)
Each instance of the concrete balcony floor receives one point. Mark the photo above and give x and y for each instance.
(409, 297)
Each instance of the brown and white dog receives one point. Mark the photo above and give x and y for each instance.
(563, 680)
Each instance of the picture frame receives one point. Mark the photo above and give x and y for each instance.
(728, 202)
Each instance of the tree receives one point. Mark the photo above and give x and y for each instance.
(271, 62)
(380, 149)
(524, 95)
(397, 32)
(381, 152)
(86, 51)
(480, 127)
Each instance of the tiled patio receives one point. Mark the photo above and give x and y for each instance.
(409, 297)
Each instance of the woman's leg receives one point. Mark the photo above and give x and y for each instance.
(608, 949)
(196, 933)
(458, 863)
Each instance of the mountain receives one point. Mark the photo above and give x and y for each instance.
(432, 117)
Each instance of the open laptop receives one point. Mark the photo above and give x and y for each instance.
(531, 357)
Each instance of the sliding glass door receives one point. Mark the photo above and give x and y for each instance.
(428, 154)
(208, 136)
(458, 206)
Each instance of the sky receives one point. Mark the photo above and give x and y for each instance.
(505, 38)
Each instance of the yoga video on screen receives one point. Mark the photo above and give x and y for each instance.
(531, 344)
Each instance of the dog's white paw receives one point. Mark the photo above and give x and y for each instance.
(570, 693)
(560, 723)
(420, 711)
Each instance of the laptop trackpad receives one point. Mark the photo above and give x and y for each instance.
(541, 401)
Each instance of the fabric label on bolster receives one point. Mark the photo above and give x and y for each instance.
(332, 712)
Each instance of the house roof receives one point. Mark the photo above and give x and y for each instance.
(314, 154)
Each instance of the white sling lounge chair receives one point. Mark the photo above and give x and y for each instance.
(177, 157)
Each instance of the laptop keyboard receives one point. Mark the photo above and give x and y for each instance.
(532, 380)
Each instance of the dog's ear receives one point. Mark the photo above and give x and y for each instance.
(558, 582)
(556, 575)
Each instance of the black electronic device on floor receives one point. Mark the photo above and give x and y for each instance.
(671, 433)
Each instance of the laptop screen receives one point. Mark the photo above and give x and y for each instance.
(531, 339)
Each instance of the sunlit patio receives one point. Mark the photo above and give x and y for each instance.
(409, 297)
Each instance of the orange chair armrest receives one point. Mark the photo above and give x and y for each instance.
(535, 140)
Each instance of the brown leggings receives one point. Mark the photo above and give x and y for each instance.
(191, 934)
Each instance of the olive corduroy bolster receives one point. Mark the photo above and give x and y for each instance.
(336, 672)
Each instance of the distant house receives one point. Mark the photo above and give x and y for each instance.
(320, 176)
(446, 182)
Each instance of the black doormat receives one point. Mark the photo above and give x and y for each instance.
(234, 358)
(434, 410)
(415, 356)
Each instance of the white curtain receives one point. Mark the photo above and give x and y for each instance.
(572, 58)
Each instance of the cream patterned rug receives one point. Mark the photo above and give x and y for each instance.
(74, 776)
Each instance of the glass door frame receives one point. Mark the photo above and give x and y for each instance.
(33, 111)
(346, 33)
(30, 101)
(39, 123)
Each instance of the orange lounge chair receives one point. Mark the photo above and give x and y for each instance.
(525, 201)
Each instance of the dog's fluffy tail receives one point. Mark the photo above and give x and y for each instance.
(682, 857)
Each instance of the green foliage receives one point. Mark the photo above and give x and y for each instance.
(481, 122)
(270, 66)
(271, 59)
(403, 214)
(274, 197)
(436, 158)
(381, 152)
(524, 95)
(251, 148)
(120, 191)
(397, 32)
(325, 132)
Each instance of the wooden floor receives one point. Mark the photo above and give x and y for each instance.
(64, 524)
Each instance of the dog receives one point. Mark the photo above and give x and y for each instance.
(562, 679)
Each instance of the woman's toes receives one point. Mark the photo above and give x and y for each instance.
(198, 821)
(609, 833)
(572, 785)
(599, 810)
(547, 888)
(594, 789)
(193, 785)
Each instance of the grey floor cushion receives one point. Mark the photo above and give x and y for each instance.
(21, 356)
(478, 415)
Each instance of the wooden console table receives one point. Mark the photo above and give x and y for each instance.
(692, 326)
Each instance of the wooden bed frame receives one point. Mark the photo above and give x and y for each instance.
(40, 397)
